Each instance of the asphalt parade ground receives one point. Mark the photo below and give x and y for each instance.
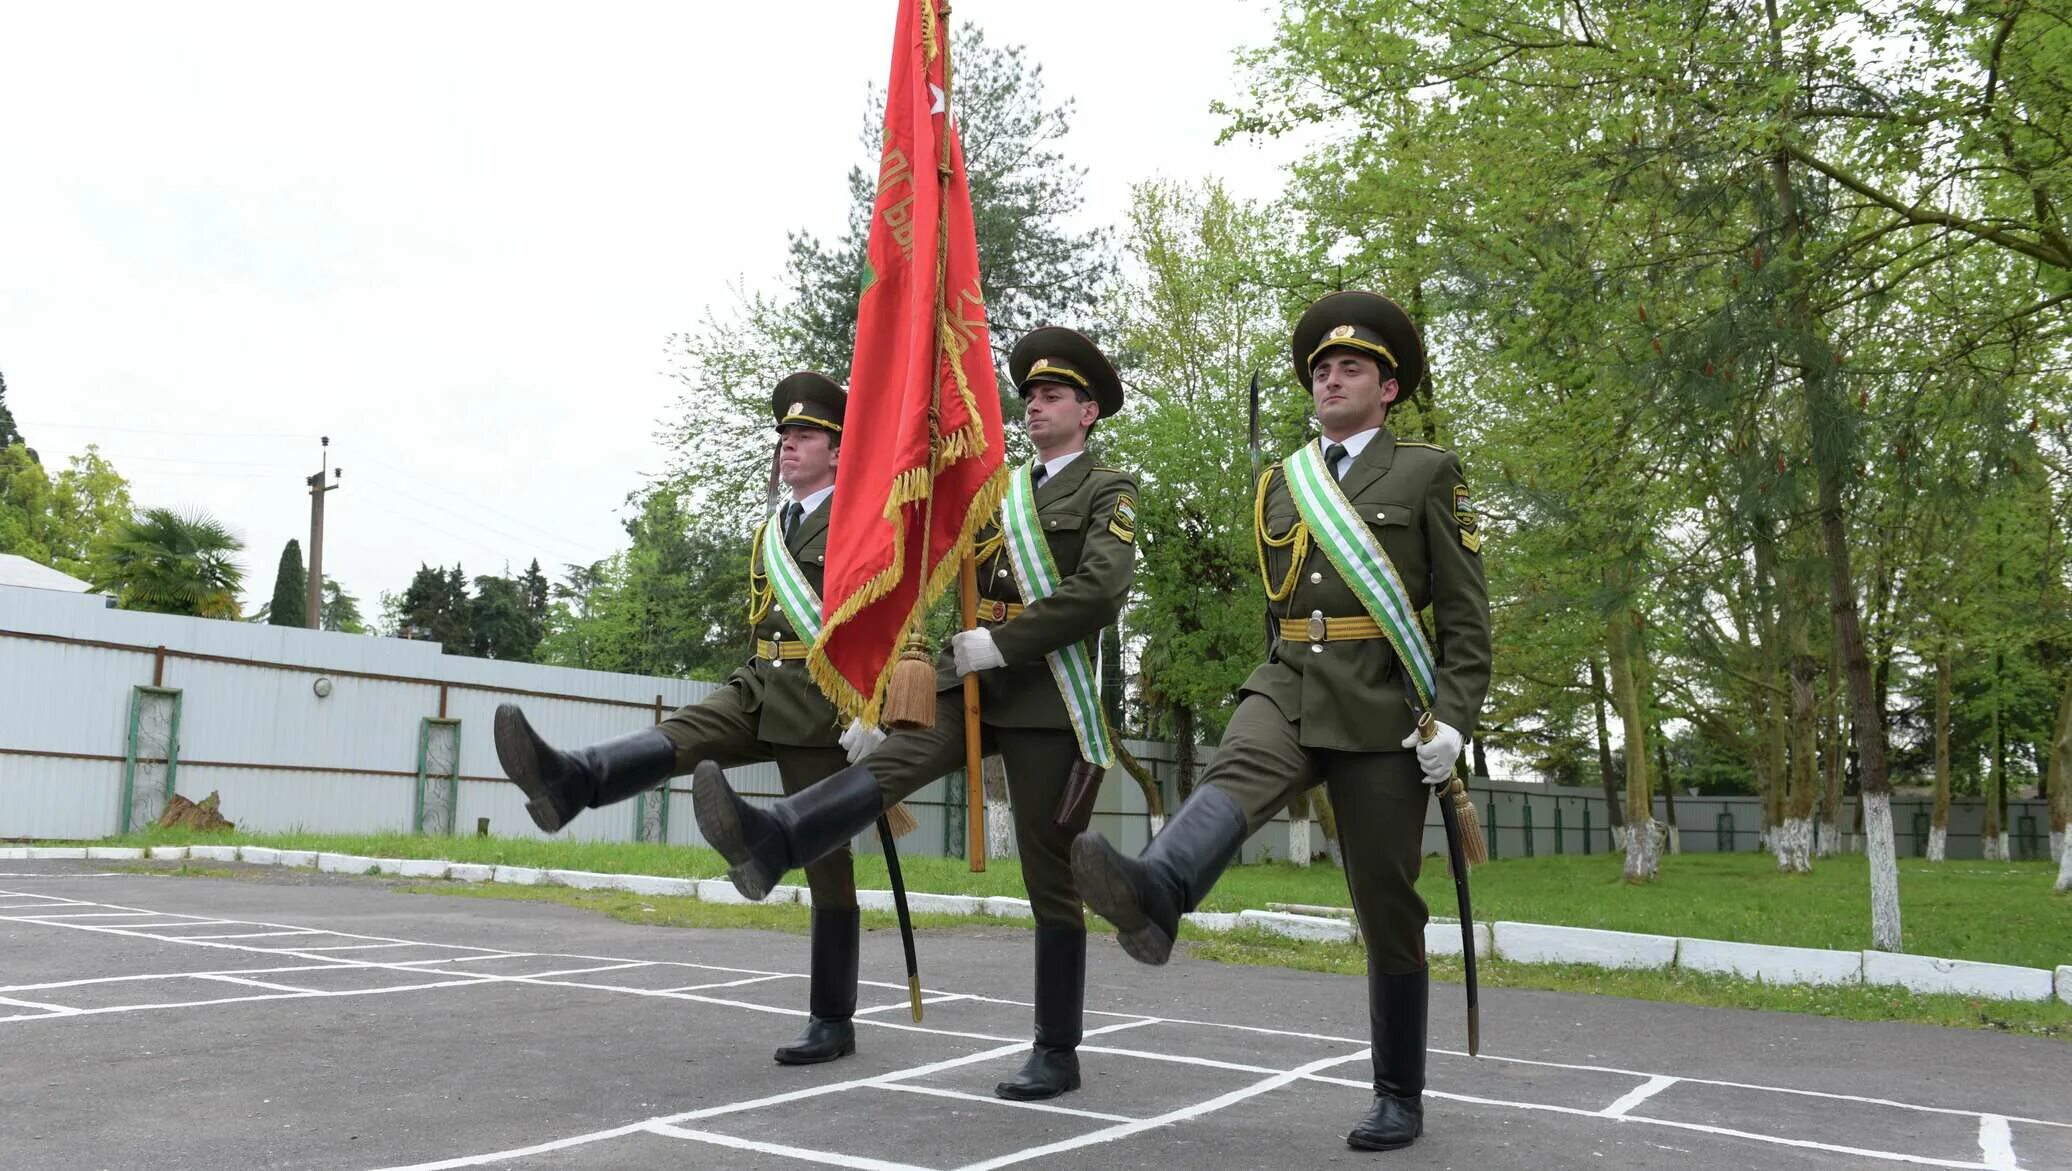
(317, 1021)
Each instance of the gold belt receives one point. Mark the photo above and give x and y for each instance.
(992, 611)
(1317, 628)
(779, 650)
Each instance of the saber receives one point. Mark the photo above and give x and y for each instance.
(906, 922)
(1457, 856)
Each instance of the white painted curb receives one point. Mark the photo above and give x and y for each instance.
(1443, 939)
(2065, 983)
(287, 858)
(1321, 928)
(172, 853)
(720, 890)
(1536, 943)
(651, 885)
(213, 853)
(1770, 964)
(581, 879)
(413, 867)
(462, 871)
(1006, 907)
(1212, 920)
(518, 875)
(115, 853)
(14, 853)
(1956, 977)
(69, 853)
(259, 855)
(344, 863)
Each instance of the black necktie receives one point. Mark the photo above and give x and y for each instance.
(1037, 475)
(1332, 455)
(792, 513)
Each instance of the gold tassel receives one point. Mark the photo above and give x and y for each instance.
(900, 820)
(1473, 846)
(910, 696)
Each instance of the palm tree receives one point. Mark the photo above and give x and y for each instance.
(162, 561)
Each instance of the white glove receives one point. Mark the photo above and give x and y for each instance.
(1436, 756)
(861, 739)
(974, 651)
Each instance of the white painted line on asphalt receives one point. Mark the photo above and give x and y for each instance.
(256, 934)
(48, 1009)
(342, 946)
(992, 1100)
(1697, 1127)
(734, 983)
(1139, 1126)
(259, 984)
(1996, 1142)
(172, 918)
(824, 1158)
(35, 874)
(1639, 1094)
(896, 1005)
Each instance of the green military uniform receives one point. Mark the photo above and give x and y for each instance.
(1087, 515)
(1329, 707)
(768, 709)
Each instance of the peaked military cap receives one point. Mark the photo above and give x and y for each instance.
(807, 399)
(1052, 353)
(1368, 323)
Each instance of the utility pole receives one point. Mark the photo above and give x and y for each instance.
(314, 619)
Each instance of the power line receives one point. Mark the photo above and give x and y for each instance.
(162, 431)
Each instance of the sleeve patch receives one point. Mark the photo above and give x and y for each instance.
(1464, 516)
(1124, 523)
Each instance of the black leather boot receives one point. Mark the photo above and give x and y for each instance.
(761, 844)
(830, 1032)
(558, 785)
(1145, 896)
(1053, 1064)
(1396, 1007)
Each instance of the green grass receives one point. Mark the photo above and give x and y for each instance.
(1999, 912)
(2052, 1019)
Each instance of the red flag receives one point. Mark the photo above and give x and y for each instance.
(921, 342)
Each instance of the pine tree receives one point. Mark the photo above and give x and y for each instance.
(290, 605)
(9, 433)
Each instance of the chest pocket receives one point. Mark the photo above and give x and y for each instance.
(1384, 515)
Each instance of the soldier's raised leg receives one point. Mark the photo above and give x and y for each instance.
(560, 783)
(760, 844)
(831, 1000)
(1260, 766)
(1385, 793)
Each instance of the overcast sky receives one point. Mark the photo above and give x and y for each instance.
(454, 238)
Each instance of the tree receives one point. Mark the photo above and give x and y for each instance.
(9, 433)
(341, 609)
(172, 564)
(1193, 322)
(435, 607)
(58, 522)
(290, 588)
(500, 621)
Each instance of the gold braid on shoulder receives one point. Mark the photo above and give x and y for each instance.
(760, 592)
(986, 549)
(1298, 537)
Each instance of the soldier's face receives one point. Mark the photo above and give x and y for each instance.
(1350, 393)
(806, 459)
(1056, 418)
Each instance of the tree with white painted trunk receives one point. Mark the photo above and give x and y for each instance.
(999, 813)
(2060, 777)
(1626, 655)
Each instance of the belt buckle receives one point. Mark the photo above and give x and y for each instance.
(777, 651)
(1316, 627)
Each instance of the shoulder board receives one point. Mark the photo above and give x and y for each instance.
(1111, 471)
(1414, 443)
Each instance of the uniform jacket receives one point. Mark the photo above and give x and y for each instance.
(1349, 695)
(1088, 514)
(791, 710)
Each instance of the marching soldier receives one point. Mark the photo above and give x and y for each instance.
(1053, 570)
(1357, 533)
(767, 710)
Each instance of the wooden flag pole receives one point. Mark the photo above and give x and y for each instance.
(974, 756)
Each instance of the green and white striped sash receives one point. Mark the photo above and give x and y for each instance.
(1350, 545)
(1078, 677)
(794, 592)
